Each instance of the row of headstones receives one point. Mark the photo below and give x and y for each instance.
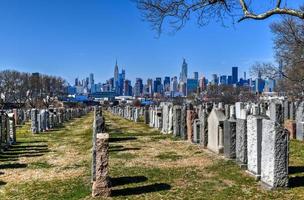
(252, 134)
(47, 119)
(100, 156)
(7, 130)
(128, 112)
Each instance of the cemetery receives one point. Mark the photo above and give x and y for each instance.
(242, 150)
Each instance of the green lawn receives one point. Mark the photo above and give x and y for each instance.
(143, 165)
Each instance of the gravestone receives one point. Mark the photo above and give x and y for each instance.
(177, 121)
(241, 142)
(34, 120)
(101, 183)
(254, 145)
(230, 135)
(215, 131)
(196, 131)
(274, 163)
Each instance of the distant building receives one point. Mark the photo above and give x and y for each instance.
(195, 75)
(167, 84)
(157, 85)
(223, 80)
(127, 88)
(192, 85)
(184, 72)
(91, 79)
(229, 80)
(235, 75)
(202, 83)
(214, 80)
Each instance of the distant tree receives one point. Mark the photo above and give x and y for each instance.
(23, 88)
(289, 53)
(264, 70)
(289, 48)
(177, 12)
(229, 94)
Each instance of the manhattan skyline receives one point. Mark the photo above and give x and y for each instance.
(70, 40)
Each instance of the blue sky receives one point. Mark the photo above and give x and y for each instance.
(72, 38)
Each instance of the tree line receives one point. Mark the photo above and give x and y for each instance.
(29, 89)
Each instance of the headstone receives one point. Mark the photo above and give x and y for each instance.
(101, 184)
(196, 131)
(300, 131)
(254, 144)
(34, 119)
(215, 131)
(241, 142)
(274, 161)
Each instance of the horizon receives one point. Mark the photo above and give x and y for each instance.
(74, 40)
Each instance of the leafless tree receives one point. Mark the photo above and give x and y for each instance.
(177, 12)
(289, 53)
(35, 90)
(265, 70)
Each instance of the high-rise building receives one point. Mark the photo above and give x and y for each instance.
(127, 88)
(91, 79)
(223, 80)
(192, 85)
(174, 84)
(195, 75)
(150, 86)
(167, 84)
(235, 75)
(138, 88)
(76, 82)
(116, 74)
(157, 85)
(184, 72)
(229, 80)
(202, 83)
(215, 80)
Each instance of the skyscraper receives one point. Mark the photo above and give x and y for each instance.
(116, 74)
(195, 75)
(91, 79)
(184, 72)
(167, 84)
(235, 75)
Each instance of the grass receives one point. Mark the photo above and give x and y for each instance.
(144, 164)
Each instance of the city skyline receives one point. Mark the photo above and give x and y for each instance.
(69, 40)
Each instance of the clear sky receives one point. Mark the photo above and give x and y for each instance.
(72, 38)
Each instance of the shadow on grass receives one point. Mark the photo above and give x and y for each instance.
(121, 139)
(295, 169)
(23, 150)
(156, 187)
(297, 181)
(29, 142)
(127, 180)
(13, 166)
(2, 183)
(125, 149)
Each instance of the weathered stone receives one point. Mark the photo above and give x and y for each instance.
(291, 128)
(238, 107)
(274, 167)
(101, 184)
(241, 142)
(300, 131)
(34, 119)
(276, 112)
(229, 138)
(215, 131)
(177, 121)
(196, 131)
(254, 142)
